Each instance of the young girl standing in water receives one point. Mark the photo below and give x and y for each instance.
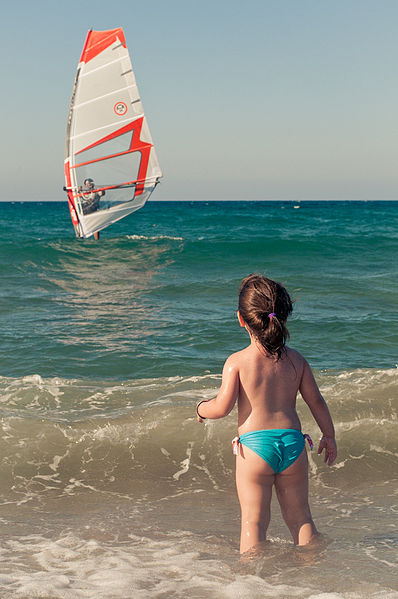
(265, 378)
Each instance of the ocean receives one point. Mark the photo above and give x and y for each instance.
(109, 487)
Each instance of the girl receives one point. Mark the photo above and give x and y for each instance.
(265, 377)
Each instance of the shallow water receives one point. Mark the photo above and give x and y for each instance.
(114, 488)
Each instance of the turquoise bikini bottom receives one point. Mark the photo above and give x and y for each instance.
(280, 448)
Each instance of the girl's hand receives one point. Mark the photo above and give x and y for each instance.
(329, 445)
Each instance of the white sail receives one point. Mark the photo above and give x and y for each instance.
(111, 166)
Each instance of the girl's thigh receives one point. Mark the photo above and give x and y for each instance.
(292, 489)
(254, 481)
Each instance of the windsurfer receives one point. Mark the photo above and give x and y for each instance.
(90, 197)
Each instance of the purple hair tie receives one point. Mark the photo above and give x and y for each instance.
(271, 314)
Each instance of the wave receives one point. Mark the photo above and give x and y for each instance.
(62, 436)
(119, 478)
(154, 237)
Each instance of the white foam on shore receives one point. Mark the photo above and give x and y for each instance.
(180, 566)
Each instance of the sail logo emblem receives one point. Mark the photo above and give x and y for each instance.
(120, 108)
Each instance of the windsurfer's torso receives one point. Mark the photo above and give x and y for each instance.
(90, 197)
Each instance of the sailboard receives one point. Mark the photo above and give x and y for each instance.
(111, 167)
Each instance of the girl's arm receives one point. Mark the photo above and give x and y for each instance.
(224, 402)
(313, 398)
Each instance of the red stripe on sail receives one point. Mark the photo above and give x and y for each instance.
(119, 186)
(71, 202)
(136, 145)
(98, 41)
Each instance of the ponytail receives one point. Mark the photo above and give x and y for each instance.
(265, 306)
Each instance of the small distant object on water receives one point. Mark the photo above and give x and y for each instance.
(111, 167)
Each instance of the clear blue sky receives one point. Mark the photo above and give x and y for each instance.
(262, 99)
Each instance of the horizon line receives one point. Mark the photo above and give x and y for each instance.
(19, 201)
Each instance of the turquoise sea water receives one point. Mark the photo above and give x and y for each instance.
(157, 295)
(109, 487)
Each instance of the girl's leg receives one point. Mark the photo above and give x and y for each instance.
(254, 480)
(292, 491)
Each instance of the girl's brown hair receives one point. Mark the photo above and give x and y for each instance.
(265, 306)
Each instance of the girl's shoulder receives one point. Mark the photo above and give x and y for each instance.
(294, 356)
(293, 353)
(236, 359)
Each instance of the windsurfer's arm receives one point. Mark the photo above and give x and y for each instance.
(221, 405)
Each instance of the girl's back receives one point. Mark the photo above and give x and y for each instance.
(268, 389)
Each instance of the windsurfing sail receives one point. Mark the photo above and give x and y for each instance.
(111, 166)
